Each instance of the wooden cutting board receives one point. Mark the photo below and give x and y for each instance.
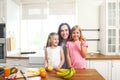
(30, 72)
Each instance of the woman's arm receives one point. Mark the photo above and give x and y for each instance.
(68, 57)
(45, 59)
(62, 58)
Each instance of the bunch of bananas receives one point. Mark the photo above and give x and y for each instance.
(66, 73)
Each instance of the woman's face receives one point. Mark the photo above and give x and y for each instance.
(64, 32)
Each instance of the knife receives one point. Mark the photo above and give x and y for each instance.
(24, 75)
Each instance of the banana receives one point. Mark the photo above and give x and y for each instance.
(62, 70)
(71, 73)
(63, 73)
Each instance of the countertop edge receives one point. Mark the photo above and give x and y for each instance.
(96, 56)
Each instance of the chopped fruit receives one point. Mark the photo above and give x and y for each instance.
(13, 70)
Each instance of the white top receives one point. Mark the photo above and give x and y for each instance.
(53, 56)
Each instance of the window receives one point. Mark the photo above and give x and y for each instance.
(34, 32)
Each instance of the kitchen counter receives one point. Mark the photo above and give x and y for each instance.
(98, 56)
(87, 74)
(95, 56)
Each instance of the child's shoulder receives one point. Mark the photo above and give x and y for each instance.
(69, 42)
(59, 47)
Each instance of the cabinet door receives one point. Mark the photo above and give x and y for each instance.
(2, 11)
(20, 63)
(119, 42)
(116, 70)
(36, 65)
(112, 41)
(103, 67)
(112, 13)
(113, 26)
(87, 64)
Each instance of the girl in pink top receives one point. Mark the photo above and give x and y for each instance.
(76, 49)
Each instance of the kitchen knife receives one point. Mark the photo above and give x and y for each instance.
(24, 75)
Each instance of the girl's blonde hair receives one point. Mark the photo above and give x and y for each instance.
(49, 36)
(78, 28)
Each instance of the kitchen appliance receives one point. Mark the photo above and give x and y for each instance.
(2, 42)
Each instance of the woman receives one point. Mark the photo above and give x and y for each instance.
(64, 36)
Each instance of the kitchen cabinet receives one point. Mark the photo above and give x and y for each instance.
(2, 11)
(87, 64)
(17, 62)
(110, 27)
(22, 63)
(116, 70)
(109, 69)
(2, 42)
(103, 67)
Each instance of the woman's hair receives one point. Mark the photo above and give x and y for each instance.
(59, 32)
(78, 28)
(49, 36)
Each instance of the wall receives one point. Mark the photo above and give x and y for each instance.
(13, 23)
(87, 16)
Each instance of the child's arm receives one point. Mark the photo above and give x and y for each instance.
(68, 58)
(45, 59)
(83, 48)
(62, 58)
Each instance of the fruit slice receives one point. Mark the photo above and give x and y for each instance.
(13, 70)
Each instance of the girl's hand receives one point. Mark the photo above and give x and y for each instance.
(46, 65)
(83, 40)
(56, 69)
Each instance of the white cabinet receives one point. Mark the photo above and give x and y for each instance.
(2, 10)
(22, 63)
(17, 62)
(116, 70)
(36, 61)
(103, 67)
(109, 69)
(110, 27)
(87, 64)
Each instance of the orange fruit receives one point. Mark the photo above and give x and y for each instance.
(43, 74)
